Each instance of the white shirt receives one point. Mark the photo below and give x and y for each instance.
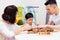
(8, 29)
(55, 19)
(33, 25)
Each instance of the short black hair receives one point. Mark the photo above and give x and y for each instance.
(10, 14)
(50, 2)
(29, 15)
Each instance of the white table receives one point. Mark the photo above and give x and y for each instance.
(53, 36)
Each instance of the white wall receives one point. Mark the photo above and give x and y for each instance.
(41, 15)
(58, 3)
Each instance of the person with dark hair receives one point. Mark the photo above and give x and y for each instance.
(54, 11)
(10, 14)
(29, 20)
(8, 27)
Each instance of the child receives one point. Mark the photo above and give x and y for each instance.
(29, 20)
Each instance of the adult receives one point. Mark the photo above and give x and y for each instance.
(53, 10)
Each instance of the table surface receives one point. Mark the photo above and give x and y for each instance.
(24, 36)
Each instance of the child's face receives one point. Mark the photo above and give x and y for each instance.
(29, 21)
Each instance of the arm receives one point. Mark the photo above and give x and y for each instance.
(49, 22)
(25, 27)
(55, 27)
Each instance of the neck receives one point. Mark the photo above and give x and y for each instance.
(30, 24)
(6, 22)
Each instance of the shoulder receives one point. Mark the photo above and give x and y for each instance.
(2, 24)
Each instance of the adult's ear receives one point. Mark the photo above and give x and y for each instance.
(54, 6)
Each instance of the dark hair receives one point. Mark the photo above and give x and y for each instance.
(10, 14)
(50, 2)
(29, 15)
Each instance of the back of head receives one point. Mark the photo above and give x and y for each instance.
(10, 10)
(10, 14)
